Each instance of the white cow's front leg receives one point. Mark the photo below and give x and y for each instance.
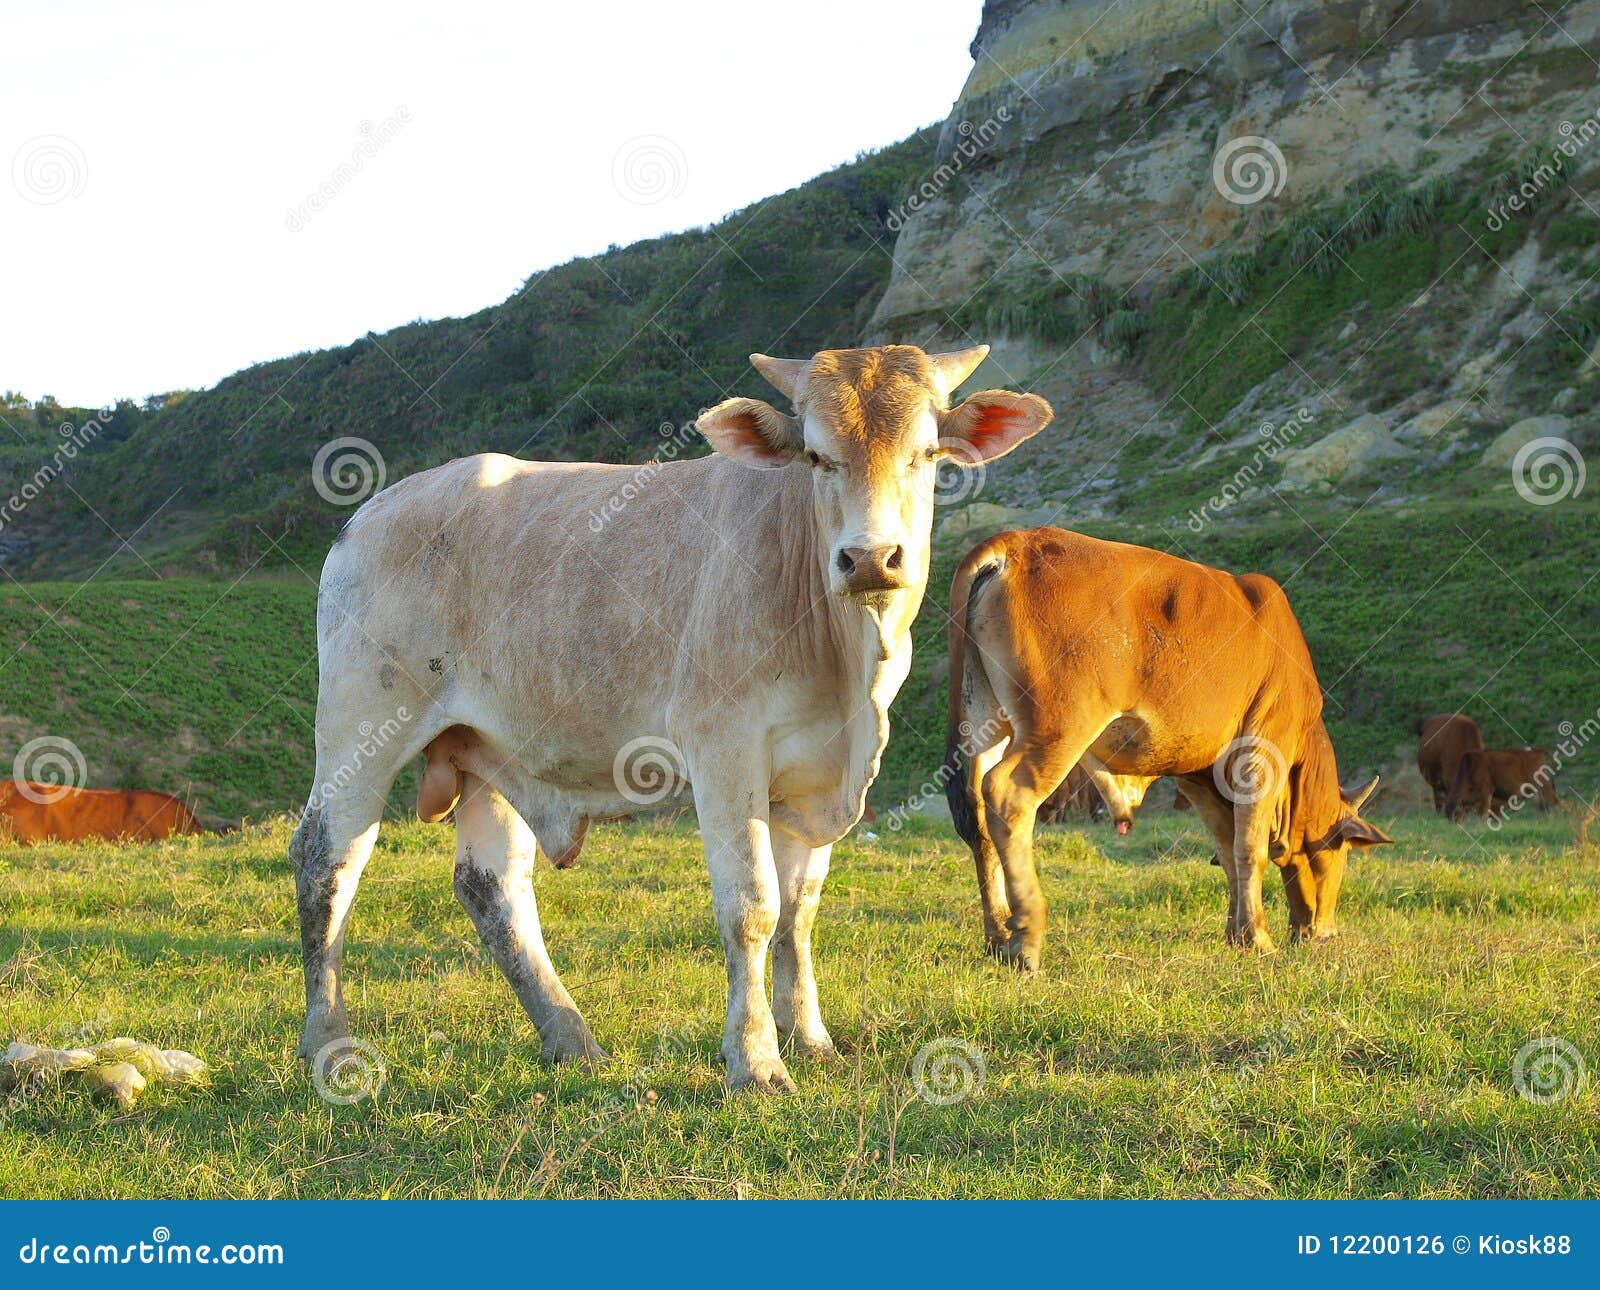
(801, 870)
(494, 882)
(744, 894)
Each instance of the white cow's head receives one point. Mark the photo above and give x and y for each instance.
(869, 425)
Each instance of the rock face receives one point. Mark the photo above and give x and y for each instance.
(1504, 449)
(1085, 137)
(1362, 443)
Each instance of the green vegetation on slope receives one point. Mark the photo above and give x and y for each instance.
(196, 688)
(1147, 1060)
(1485, 607)
(587, 361)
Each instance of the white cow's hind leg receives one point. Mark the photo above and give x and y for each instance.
(801, 870)
(494, 882)
(328, 852)
(744, 894)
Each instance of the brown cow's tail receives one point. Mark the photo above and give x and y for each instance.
(976, 568)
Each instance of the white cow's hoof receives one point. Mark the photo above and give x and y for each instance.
(324, 1035)
(581, 1049)
(764, 1075)
(816, 1047)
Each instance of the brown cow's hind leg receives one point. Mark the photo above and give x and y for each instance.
(1012, 792)
(986, 856)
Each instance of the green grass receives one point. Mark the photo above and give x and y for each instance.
(203, 689)
(1148, 1060)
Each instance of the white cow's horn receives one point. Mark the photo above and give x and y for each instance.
(953, 368)
(786, 375)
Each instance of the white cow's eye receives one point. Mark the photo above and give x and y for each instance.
(819, 461)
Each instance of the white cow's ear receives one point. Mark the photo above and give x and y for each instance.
(752, 433)
(992, 423)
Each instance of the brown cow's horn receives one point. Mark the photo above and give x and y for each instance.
(953, 368)
(1358, 798)
(786, 375)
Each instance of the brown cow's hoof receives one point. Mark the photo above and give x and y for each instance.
(1022, 956)
(1251, 938)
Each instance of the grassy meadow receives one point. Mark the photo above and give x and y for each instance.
(1146, 1060)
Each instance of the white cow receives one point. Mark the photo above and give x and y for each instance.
(740, 622)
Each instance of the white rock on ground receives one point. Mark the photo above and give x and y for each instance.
(1364, 441)
(1442, 422)
(1499, 453)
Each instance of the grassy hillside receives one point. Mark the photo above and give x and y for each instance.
(1147, 1059)
(586, 361)
(1487, 607)
(202, 689)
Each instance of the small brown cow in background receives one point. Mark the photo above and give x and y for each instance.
(32, 812)
(1444, 739)
(1487, 778)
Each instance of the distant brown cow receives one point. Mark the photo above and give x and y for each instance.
(1067, 645)
(1444, 738)
(1487, 778)
(32, 812)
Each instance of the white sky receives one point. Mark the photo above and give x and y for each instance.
(151, 156)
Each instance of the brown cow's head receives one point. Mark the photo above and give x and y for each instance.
(1327, 823)
(869, 426)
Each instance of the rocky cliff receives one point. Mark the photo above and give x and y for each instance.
(1109, 163)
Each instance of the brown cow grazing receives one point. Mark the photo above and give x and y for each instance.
(51, 812)
(1444, 739)
(1487, 778)
(1155, 666)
